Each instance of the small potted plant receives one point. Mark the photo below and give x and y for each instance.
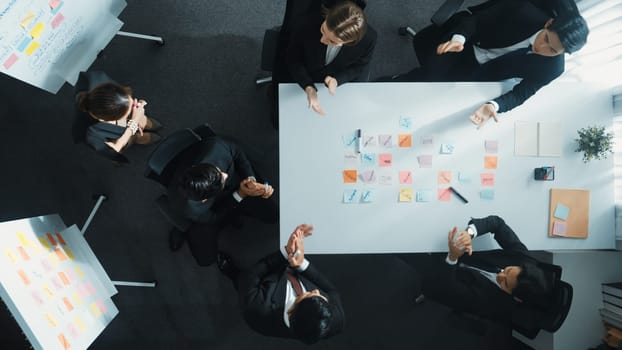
(594, 142)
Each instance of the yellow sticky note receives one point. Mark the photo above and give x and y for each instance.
(76, 298)
(23, 240)
(79, 272)
(69, 253)
(50, 319)
(44, 242)
(406, 194)
(80, 324)
(48, 291)
(490, 162)
(31, 48)
(36, 30)
(94, 309)
(12, 257)
(25, 22)
(53, 258)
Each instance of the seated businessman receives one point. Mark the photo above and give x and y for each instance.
(283, 295)
(499, 40)
(492, 283)
(214, 186)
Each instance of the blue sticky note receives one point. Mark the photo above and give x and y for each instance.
(350, 196)
(464, 176)
(369, 159)
(406, 122)
(424, 196)
(368, 195)
(350, 139)
(561, 211)
(24, 44)
(487, 194)
(447, 148)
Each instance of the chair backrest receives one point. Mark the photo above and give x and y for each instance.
(162, 161)
(447, 9)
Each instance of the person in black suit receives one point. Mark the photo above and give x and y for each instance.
(214, 185)
(499, 40)
(492, 283)
(283, 295)
(334, 47)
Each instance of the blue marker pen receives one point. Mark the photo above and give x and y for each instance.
(352, 195)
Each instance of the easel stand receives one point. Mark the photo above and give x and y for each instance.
(100, 200)
(157, 39)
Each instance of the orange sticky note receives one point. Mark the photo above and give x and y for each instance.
(444, 194)
(490, 162)
(60, 254)
(67, 304)
(51, 238)
(488, 179)
(406, 177)
(405, 140)
(64, 278)
(59, 237)
(23, 276)
(444, 177)
(385, 159)
(349, 176)
(23, 253)
(64, 342)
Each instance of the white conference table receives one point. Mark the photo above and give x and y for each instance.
(312, 161)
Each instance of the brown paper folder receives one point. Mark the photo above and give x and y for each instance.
(579, 215)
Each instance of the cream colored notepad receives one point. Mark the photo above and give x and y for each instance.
(537, 139)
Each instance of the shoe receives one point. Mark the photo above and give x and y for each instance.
(176, 239)
(147, 138)
(153, 125)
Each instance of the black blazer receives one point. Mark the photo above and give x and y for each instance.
(228, 157)
(262, 296)
(306, 56)
(501, 24)
(467, 290)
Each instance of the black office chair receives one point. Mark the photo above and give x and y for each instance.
(82, 121)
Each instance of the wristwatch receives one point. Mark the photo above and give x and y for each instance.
(470, 231)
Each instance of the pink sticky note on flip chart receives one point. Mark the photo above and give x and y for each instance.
(559, 228)
(444, 194)
(54, 3)
(385, 159)
(406, 177)
(488, 179)
(57, 20)
(444, 177)
(10, 61)
(425, 161)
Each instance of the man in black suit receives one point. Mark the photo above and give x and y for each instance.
(499, 40)
(214, 185)
(283, 295)
(333, 49)
(492, 283)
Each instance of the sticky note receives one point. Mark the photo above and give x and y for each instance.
(82, 290)
(447, 148)
(385, 159)
(37, 297)
(368, 195)
(80, 324)
(50, 318)
(62, 257)
(491, 146)
(44, 242)
(48, 291)
(76, 298)
(444, 177)
(69, 273)
(406, 122)
(368, 176)
(53, 258)
(404, 140)
(559, 228)
(349, 176)
(51, 238)
(352, 159)
(67, 304)
(349, 139)
(57, 8)
(464, 176)
(73, 331)
(488, 179)
(8, 63)
(368, 159)
(79, 272)
(424, 195)
(561, 211)
(60, 239)
(101, 306)
(94, 309)
(490, 162)
(385, 141)
(406, 195)
(36, 30)
(57, 20)
(26, 20)
(22, 253)
(57, 283)
(368, 140)
(9, 254)
(64, 342)
(54, 3)
(349, 196)
(425, 161)
(427, 140)
(23, 276)
(406, 177)
(22, 239)
(69, 253)
(487, 194)
(385, 178)
(63, 278)
(90, 288)
(444, 194)
(47, 267)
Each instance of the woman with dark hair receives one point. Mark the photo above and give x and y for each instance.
(118, 119)
(333, 46)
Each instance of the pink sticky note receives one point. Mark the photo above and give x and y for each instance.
(101, 306)
(54, 3)
(47, 266)
(406, 177)
(491, 146)
(82, 290)
(73, 331)
(37, 297)
(57, 20)
(385, 159)
(444, 177)
(488, 179)
(559, 228)
(444, 194)
(69, 273)
(425, 161)
(9, 61)
(90, 288)
(57, 283)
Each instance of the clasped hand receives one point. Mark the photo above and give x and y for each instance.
(312, 98)
(251, 188)
(459, 244)
(138, 114)
(482, 114)
(295, 248)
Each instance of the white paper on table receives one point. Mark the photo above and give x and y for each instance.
(549, 139)
(525, 138)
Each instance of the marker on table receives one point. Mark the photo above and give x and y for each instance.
(458, 194)
(358, 140)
